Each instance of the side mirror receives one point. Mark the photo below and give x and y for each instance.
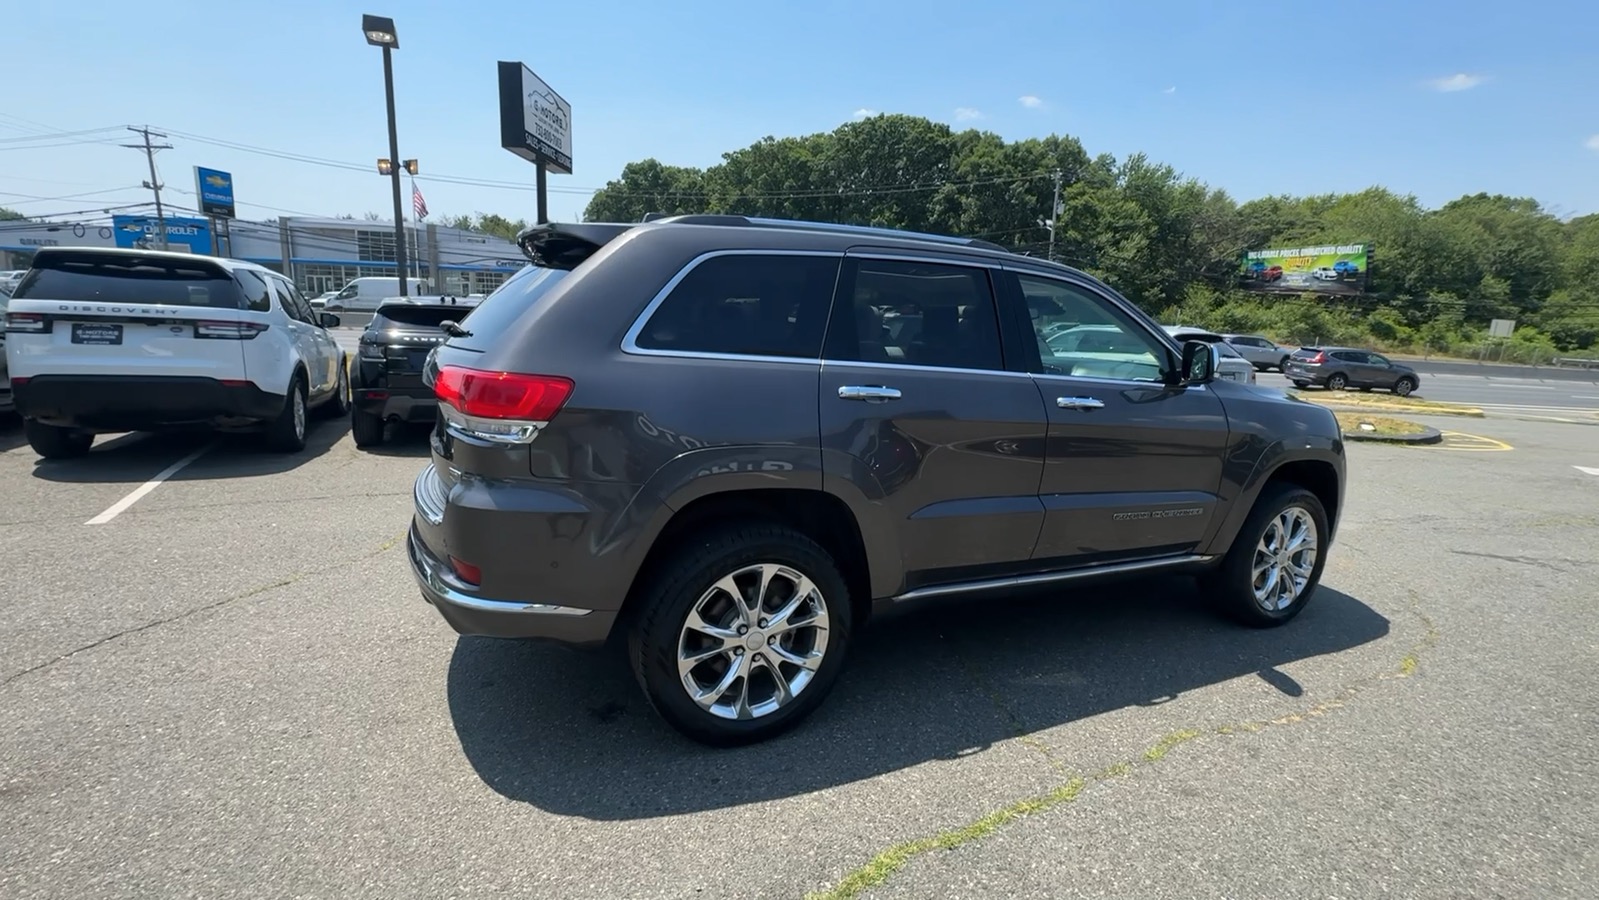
(1200, 362)
(329, 320)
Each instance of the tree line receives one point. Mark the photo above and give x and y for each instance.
(1170, 242)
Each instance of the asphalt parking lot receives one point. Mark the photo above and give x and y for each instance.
(231, 688)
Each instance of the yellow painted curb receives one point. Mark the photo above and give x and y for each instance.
(1450, 410)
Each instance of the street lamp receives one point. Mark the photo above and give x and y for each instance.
(379, 31)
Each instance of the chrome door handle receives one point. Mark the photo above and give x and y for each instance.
(869, 393)
(1079, 403)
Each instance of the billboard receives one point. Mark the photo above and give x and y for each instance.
(214, 187)
(535, 121)
(184, 235)
(1329, 269)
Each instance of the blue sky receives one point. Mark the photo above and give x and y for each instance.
(1432, 97)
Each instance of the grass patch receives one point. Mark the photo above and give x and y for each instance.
(1389, 403)
(1365, 423)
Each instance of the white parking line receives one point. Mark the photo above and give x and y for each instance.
(1589, 469)
(121, 506)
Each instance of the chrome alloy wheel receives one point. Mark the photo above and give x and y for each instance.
(753, 642)
(1284, 559)
(298, 399)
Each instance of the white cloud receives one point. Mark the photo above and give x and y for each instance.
(1460, 81)
(864, 113)
(1030, 101)
(1170, 90)
(1592, 143)
(966, 114)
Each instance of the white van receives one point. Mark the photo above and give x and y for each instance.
(364, 294)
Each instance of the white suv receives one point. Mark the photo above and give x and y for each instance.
(102, 341)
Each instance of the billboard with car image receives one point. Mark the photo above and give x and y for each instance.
(1327, 269)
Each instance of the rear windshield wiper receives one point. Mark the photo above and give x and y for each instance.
(453, 329)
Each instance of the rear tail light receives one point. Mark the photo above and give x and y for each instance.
(499, 407)
(27, 323)
(369, 351)
(1318, 359)
(228, 331)
(467, 572)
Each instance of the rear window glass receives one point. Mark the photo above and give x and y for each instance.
(499, 310)
(130, 281)
(1306, 352)
(420, 316)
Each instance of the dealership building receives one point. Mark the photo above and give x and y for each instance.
(318, 254)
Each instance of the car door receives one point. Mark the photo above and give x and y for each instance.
(302, 325)
(1133, 464)
(327, 344)
(920, 413)
(1380, 372)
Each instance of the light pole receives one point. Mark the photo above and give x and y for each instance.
(380, 33)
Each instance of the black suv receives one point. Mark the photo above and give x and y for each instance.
(386, 384)
(730, 441)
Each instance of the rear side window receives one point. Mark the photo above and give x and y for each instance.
(747, 305)
(919, 314)
(499, 310)
(128, 280)
(257, 297)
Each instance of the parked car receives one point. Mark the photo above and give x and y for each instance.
(1344, 267)
(386, 381)
(111, 340)
(1272, 274)
(1325, 273)
(1232, 364)
(1261, 351)
(320, 301)
(6, 405)
(645, 445)
(1337, 368)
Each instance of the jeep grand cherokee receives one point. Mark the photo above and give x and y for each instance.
(729, 442)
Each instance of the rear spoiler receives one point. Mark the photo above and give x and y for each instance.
(564, 245)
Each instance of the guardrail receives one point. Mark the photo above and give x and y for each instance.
(1578, 361)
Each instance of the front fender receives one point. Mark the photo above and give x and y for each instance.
(1301, 448)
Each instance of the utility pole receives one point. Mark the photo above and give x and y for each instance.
(1054, 214)
(153, 184)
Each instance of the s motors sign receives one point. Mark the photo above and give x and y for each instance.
(535, 121)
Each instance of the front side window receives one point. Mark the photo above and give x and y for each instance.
(1080, 333)
(746, 305)
(918, 314)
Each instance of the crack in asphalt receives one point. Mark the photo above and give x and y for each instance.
(195, 611)
(885, 864)
(1554, 565)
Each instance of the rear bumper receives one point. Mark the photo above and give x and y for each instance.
(470, 614)
(1293, 373)
(141, 403)
(405, 405)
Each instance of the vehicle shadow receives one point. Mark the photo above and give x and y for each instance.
(570, 733)
(406, 440)
(140, 456)
(11, 432)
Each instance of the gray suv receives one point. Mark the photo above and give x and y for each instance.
(727, 443)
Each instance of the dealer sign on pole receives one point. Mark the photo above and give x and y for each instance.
(535, 121)
(1501, 328)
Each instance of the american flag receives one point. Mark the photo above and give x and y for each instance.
(418, 205)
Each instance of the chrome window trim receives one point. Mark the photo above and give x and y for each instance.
(1119, 382)
(630, 340)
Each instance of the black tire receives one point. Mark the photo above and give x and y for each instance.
(339, 404)
(366, 428)
(1231, 586)
(1282, 364)
(1404, 386)
(1337, 381)
(286, 433)
(55, 442)
(670, 591)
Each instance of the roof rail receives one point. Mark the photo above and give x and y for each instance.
(802, 225)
